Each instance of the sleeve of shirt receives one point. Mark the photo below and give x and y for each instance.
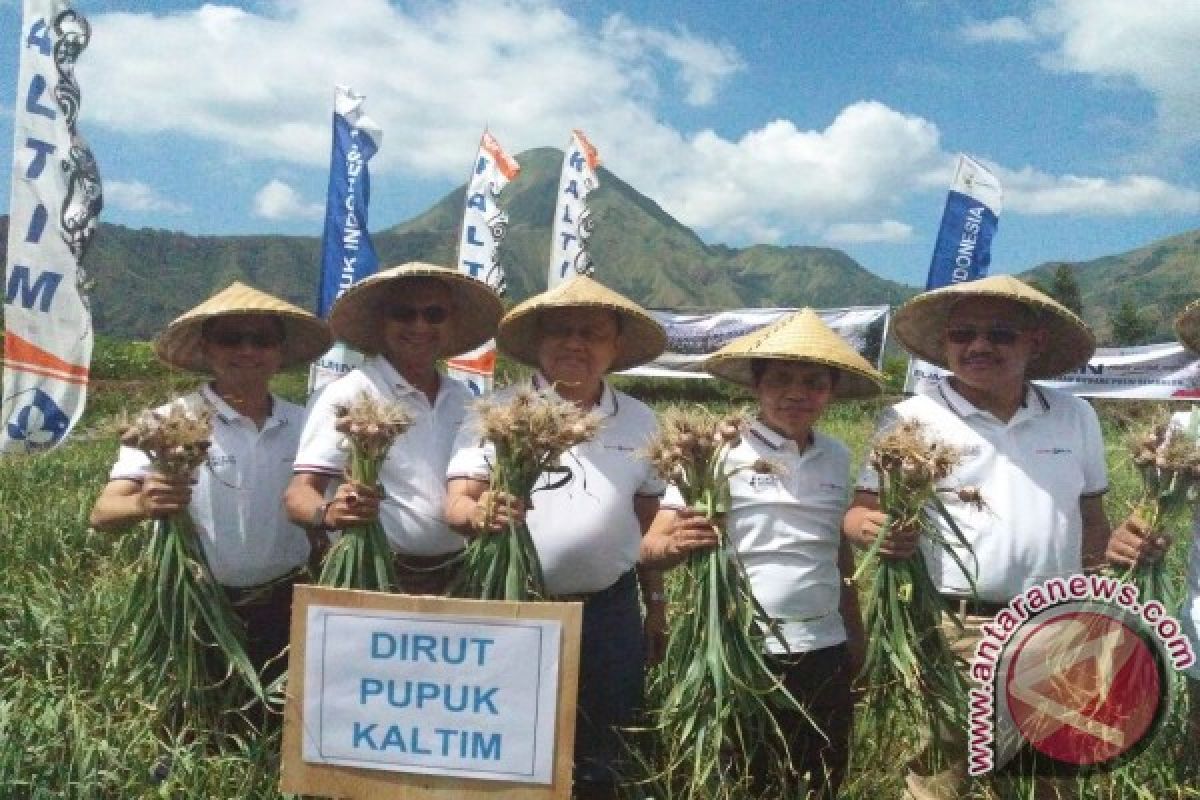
(473, 456)
(320, 448)
(1095, 468)
(868, 479)
(132, 465)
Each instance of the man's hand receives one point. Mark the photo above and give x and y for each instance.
(1131, 544)
(689, 530)
(163, 495)
(495, 511)
(899, 544)
(354, 504)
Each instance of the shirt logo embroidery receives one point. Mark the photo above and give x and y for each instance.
(762, 482)
(223, 460)
(1052, 451)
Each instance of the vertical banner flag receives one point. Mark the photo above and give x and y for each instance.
(56, 199)
(963, 251)
(572, 218)
(483, 227)
(347, 255)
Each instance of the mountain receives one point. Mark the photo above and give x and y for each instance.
(1159, 279)
(144, 278)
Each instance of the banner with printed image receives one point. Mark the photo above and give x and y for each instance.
(572, 217)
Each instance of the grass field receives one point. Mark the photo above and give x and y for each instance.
(68, 731)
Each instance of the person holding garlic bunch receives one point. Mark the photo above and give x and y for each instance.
(784, 522)
(404, 319)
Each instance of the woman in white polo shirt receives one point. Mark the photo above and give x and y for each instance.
(588, 529)
(786, 527)
(241, 337)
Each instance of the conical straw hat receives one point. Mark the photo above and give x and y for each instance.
(304, 335)
(642, 338)
(357, 316)
(1187, 326)
(920, 324)
(801, 336)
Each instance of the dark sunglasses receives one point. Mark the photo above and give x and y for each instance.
(433, 315)
(997, 336)
(260, 339)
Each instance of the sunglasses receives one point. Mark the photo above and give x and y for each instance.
(433, 315)
(996, 336)
(259, 339)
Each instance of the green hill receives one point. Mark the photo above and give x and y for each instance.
(143, 278)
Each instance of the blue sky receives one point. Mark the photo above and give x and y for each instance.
(814, 123)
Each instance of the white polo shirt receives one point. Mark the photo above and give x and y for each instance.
(1032, 472)
(786, 528)
(586, 533)
(1189, 612)
(237, 500)
(413, 471)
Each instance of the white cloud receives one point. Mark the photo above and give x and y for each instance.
(1004, 29)
(137, 196)
(888, 230)
(277, 200)
(260, 84)
(1149, 44)
(1031, 192)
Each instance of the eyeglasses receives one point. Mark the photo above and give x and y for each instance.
(433, 315)
(996, 336)
(231, 339)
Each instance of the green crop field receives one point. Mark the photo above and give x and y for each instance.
(69, 730)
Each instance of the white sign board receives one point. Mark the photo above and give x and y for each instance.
(423, 693)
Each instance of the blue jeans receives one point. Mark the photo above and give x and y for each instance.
(612, 666)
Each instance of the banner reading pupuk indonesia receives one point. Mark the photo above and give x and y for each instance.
(483, 228)
(347, 254)
(572, 218)
(55, 201)
(963, 251)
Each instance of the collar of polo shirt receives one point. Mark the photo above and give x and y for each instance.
(608, 398)
(775, 440)
(963, 408)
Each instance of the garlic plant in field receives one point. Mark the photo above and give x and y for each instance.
(187, 641)
(1168, 461)
(531, 431)
(361, 558)
(910, 673)
(716, 713)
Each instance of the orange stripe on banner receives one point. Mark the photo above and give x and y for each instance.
(19, 351)
(480, 365)
(16, 366)
(589, 152)
(507, 164)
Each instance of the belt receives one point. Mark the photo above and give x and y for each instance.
(411, 563)
(971, 605)
(617, 585)
(249, 595)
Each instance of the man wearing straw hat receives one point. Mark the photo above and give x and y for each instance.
(1035, 454)
(405, 319)
(1131, 546)
(241, 337)
(588, 530)
(786, 527)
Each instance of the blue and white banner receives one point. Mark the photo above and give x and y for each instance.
(572, 218)
(347, 255)
(483, 228)
(56, 199)
(963, 251)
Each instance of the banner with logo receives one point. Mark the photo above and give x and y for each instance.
(1150, 372)
(56, 199)
(572, 219)
(963, 250)
(347, 255)
(483, 228)
(691, 338)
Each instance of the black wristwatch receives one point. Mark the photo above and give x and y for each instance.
(317, 522)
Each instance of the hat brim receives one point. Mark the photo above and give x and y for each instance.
(642, 338)
(852, 383)
(920, 325)
(357, 316)
(181, 345)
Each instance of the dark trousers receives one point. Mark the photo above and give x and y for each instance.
(612, 666)
(820, 681)
(430, 575)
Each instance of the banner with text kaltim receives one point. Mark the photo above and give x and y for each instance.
(572, 217)
(483, 228)
(347, 254)
(54, 205)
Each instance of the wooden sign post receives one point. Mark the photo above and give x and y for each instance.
(394, 696)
